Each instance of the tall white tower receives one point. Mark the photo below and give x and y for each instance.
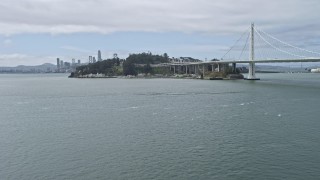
(252, 71)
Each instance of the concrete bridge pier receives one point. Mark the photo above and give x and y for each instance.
(222, 68)
(198, 69)
(234, 67)
(203, 70)
(252, 72)
(180, 69)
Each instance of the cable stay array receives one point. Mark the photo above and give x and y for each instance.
(266, 47)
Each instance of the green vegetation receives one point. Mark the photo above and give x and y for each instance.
(141, 63)
(134, 64)
(148, 64)
(109, 67)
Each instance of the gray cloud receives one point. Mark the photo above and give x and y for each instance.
(295, 21)
(107, 16)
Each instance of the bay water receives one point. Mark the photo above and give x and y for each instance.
(54, 127)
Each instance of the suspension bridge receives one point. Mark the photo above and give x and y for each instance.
(254, 46)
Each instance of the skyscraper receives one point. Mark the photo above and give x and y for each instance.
(58, 64)
(90, 59)
(94, 60)
(73, 62)
(99, 56)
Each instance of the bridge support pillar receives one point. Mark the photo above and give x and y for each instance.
(186, 69)
(252, 67)
(252, 72)
(198, 70)
(218, 67)
(234, 67)
(203, 70)
(174, 69)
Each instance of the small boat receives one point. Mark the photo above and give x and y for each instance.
(317, 70)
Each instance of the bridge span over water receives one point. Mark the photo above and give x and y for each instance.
(254, 46)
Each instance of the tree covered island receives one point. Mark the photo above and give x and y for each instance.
(149, 65)
(142, 63)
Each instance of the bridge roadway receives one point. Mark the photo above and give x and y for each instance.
(251, 58)
(243, 61)
(251, 63)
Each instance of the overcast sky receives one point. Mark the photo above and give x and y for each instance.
(38, 31)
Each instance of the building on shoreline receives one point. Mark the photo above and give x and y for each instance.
(63, 67)
(183, 59)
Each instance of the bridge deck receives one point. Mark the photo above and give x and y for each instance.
(246, 61)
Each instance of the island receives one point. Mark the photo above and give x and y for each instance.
(148, 65)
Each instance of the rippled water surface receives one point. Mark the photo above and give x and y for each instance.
(52, 127)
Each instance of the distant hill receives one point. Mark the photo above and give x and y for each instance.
(280, 69)
(266, 68)
(44, 68)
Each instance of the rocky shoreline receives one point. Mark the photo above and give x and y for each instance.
(148, 76)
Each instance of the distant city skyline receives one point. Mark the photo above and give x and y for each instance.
(34, 32)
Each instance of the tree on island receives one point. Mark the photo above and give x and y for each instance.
(166, 57)
(147, 68)
(100, 67)
(133, 63)
(129, 68)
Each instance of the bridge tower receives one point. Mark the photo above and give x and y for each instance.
(252, 67)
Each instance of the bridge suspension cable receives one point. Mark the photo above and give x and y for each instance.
(266, 47)
(236, 43)
(276, 47)
(287, 44)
